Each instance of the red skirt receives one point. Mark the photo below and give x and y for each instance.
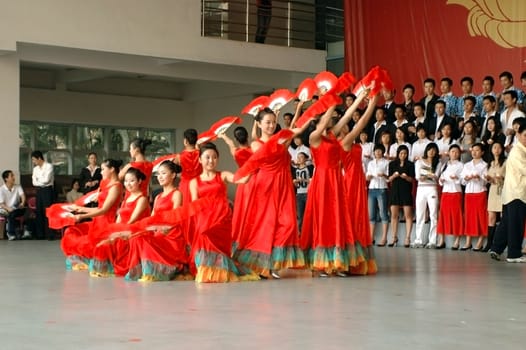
(450, 220)
(476, 214)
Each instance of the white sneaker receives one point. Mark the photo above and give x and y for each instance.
(26, 235)
(11, 237)
(521, 259)
(431, 246)
(341, 274)
(323, 274)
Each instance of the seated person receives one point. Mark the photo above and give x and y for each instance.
(12, 204)
(74, 194)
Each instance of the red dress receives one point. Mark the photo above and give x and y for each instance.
(269, 236)
(112, 258)
(79, 240)
(211, 248)
(157, 255)
(145, 168)
(243, 196)
(326, 224)
(189, 161)
(355, 190)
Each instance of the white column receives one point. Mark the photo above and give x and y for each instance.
(9, 112)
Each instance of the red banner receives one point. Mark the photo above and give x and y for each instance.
(416, 39)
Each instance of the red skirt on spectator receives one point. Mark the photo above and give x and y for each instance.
(476, 214)
(450, 221)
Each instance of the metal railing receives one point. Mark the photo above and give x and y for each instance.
(306, 24)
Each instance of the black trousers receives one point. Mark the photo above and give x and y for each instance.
(510, 230)
(45, 197)
(11, 220)
(264, 14)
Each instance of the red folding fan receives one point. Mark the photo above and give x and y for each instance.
(256, 105)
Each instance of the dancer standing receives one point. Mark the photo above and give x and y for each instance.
(355, 189)
(269, 241)
(211, 247)
(139, 162)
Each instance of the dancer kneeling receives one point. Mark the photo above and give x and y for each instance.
(158, 245)
(80, 239)
(110, 256)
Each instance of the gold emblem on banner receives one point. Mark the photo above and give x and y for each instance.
(503, 21)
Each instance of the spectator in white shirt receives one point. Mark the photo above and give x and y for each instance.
(377, 175)
(450, 221)
(12, 204)
(417, 150)
(510, 231)
(473, 176)
(511, 112)
(367, 149)
(43, 179)
(427, 172)
(444, 142)
(401, 139)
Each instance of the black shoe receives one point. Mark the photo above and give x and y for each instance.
(466, 248)
(442, 246)
(454, 247)
(494, 255)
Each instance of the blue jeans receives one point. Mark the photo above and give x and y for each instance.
(301, 200)
(378, 199)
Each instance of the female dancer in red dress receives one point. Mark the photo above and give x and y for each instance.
(355, 190)
(244, 191)
(110, 256)
(188, 159)
(139, 162)
(269, 241)
(79, 240)
(158, 248)
(326, 223)
(211, 247)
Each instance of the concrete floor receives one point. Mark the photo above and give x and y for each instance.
(421, 299)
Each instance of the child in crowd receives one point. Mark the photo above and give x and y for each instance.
(302, 176)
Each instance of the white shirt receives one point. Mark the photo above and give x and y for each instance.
(439, 120)
(423, 169)
(367, 153)
(394, 149)
(377, 127)
(10, 198)
(449, 185)
(43, 175)
(470, 169)
(404, 121)
(515, 180)
(507, 123)
(443, 147)
(418, 148)
(375, 167)
(301, 148)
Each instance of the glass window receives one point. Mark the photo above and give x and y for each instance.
(120, 139)
(50, 136)
(162, 142)
(61, 161)
(26, 135)
(89, 139)
(66, 146)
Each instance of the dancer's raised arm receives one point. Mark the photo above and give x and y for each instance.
(348, 140)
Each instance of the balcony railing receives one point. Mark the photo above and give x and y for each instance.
(306, 24)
